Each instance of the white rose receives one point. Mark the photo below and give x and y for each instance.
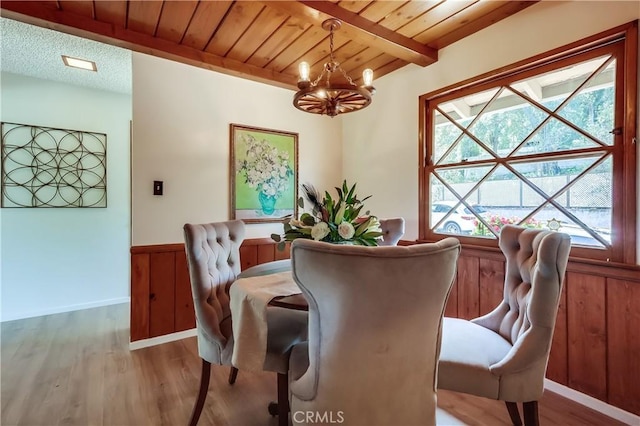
(319, 231)
(346, 230)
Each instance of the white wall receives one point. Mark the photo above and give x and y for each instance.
(381, 142)
(181, 117)
(60, 259)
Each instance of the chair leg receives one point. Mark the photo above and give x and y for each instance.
(283, 399)
(512, 407)
(530, 413)
(202, 394)
(233, 374)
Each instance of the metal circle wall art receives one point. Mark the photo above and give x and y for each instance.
(47, 167)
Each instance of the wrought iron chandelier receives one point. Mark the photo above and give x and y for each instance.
(323, 97)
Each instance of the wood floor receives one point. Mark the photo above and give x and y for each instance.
(76, 369)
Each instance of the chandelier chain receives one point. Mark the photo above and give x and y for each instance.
(331, 45)
(347, 76)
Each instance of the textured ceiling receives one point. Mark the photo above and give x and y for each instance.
(37, 52)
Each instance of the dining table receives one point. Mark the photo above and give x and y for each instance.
(258, 289)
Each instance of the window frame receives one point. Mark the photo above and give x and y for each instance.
(622, 41)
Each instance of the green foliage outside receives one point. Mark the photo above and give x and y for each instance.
(504, 129)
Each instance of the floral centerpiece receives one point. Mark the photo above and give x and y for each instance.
(266, 169)
(332, 220)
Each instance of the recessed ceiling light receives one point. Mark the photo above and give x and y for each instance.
(79, 63)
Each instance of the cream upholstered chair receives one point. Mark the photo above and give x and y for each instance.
(213, 256)
(503, 355)
(374, 332)
(392, 231)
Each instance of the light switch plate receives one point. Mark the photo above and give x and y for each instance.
(157, 187)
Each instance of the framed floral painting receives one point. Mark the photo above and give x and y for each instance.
(264, 174)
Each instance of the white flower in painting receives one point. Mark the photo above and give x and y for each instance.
(346, 230)
(265, 168)
(319, 231)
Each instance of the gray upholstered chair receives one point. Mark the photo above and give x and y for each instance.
(503, 355)
(213, 257)
(374, 332)
(392, 231)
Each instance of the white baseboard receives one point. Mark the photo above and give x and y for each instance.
(593, 403)
(68, 308)
(139, 344)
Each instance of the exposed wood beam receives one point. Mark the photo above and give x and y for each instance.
(361, 30)
(468, 28)
(52, 18)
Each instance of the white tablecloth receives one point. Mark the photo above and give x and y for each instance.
(249, 299)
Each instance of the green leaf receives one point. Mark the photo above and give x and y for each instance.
(351, 192)
(304, 231)
(372, 234)
(363, 227)
(329, 205)
(354, 213)
(301, 202)
(287, 227)
(307, 219)
(281, 245)
(339, 216)
(276, 237)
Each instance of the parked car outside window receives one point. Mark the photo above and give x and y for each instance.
(460, 221)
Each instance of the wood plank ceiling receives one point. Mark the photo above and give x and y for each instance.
(265, 40)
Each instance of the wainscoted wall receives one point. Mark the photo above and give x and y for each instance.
(596, 346)
(161, 301)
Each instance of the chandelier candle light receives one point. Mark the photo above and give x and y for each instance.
(321, 96)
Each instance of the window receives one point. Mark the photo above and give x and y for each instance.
(548, 143)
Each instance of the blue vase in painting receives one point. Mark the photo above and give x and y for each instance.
(267, 203)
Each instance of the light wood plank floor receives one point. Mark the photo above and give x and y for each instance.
(76, 369)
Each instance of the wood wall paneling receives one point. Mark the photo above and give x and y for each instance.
(248, 256)
(586, 328)
(557, 369)
(162, 294)
(161, 299)
(185, 318)
(468, 287)
(283, 254)
(623, 344)
(139, 327)
(266, 253)
(491, 284)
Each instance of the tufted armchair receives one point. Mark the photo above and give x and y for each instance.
(374, 332)
(503, 355)
(392, 231)
(213, 257)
